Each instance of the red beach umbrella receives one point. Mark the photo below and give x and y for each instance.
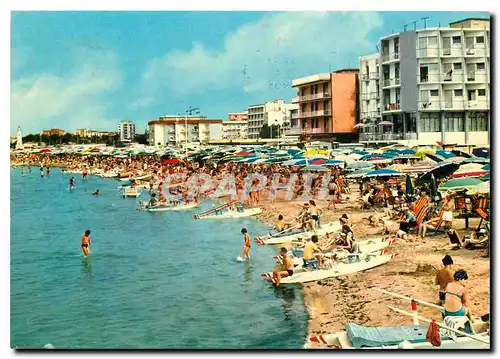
(318, 161)
(45, 150)
(171, 161)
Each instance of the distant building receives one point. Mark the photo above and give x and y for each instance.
(88, 133)
(177, 130)
(53, 132)
(126, 129)
(234, 130)
(19, 139)
(238, 116)
(328, 104)
(268, 113)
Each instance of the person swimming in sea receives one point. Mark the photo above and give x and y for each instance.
(41, 171)
(48, 171)
(86, 242)
(96, 193)
(72, 183)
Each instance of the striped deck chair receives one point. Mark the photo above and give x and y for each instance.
(440, 221)
(482, 210)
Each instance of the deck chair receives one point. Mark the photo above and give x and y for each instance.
(440, 221)
(420, 204)
(481, 210)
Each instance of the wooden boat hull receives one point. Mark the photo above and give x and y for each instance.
(182, 207)
(302, 275)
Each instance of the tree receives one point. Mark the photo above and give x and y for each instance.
(141, 138)
(270, 131)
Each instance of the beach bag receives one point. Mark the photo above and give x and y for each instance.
(433, 336)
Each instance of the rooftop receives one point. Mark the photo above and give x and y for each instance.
(469, 19)
(311, 79)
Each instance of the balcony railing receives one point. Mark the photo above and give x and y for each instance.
(311, 97)
(390, 56)
(315, 113)
(478, 104)
(477, 76)
(391, 82)
(377, 136)
(294, 115)
(392, 107)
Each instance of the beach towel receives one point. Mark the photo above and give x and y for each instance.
(455, 323)
(433, 336)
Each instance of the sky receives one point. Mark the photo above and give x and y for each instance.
(74, 70)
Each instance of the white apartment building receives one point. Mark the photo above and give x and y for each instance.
(126, 129)
(270, 113)
(369, 89)
(177, 130)
(435, 85)
(234, 130)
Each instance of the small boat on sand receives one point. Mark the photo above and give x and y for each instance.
(295, 236)
(232, 209)
(358, 263)
(172, 207)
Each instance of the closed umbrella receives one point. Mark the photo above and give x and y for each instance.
(434, 191)
(409, 187)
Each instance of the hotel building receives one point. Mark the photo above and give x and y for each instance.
(176, 130)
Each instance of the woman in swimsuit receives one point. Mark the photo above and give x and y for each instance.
(455, 303)
(86, 243)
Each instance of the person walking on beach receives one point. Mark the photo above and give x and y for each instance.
(247, 245)
(443, 277)
(86, 242)
(448, 207)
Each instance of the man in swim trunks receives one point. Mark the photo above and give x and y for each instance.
(86, 242)
(287, 267)
(247, 244)
(281, 225)
(443, 277)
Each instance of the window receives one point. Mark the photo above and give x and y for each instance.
(471, 95)
(481, 92)
(454, 122)
(480, 40)
(325, 123)
(456, 39)
(458, 93)
(429, 122)
(433, 40)
(480, 65)
(457, 66)
(478, 121)
(434, 92)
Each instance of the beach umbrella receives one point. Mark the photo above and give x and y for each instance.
(469, 170)
(385, 123)
(45, 150)
(442, 169)
(435, 157)
(317, 161)
(345, 158)
(314, 168)
(486, 167)
(384, 172)
(482, 188)
(359, 173)
(457, 159)
(244, 153)
(334, 163)
(409, 187)
(407, 151)
(461, 153)
(475, 159)
(445, 154)
(481, 152)
(289, 163)
(486, 177)
(171, 161)
(358, 165)
(458, 184)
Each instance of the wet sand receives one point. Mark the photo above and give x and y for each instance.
(335, 302)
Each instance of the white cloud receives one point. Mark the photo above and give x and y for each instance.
(68, 101)
(263, 56)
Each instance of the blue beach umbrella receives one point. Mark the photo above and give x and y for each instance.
(445, 154)
(384, 172)
(486, 167)
(333, 163)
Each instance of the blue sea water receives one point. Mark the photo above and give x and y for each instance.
(152, 280)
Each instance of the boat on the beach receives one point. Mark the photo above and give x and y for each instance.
(247, 212)
(363, 262)
(367, 246)
(172, 207)
(362, 337)
(136, 178)
(294, 236)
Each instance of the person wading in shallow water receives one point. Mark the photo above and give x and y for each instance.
(86, 242)
(247, 244)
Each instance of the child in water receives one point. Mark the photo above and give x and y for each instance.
(247, 244)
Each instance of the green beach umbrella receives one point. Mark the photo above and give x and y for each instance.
(458, 184)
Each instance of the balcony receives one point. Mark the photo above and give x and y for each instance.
(312, 97)
(452, 51)
(392, 56)
(427, 52)
(453, 77)
(294, 115)
(475, 51)
(477, 77)
(429, 105)
(364, 77)
(295, 99)
(481, 104)
(377, 136)
(448, 104)
(392, 107)
(391, 82)
(315, 113)
(314, 130)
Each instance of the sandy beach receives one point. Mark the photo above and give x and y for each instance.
(335, 302)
